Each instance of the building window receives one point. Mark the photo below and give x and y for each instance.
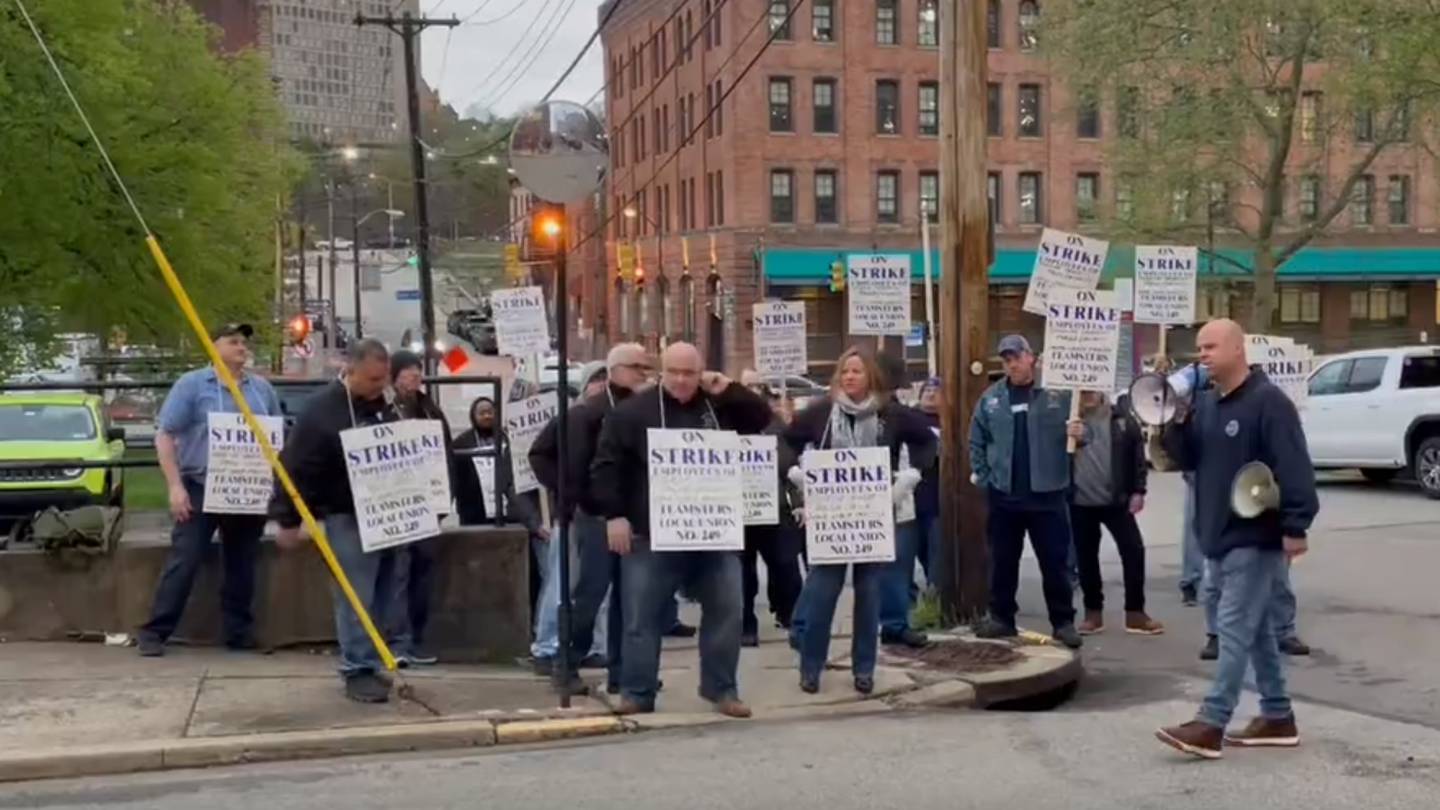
(1212, 301)
(887, 197)
(1180, 205)
(716, 27)
(1309, 117)
(705, 11)
(1127, 112)
(887, 107)
(1365, 126)
(993, 120)
(1087, 115)
(780, 19)
(823, 97)
(720, 198)
(1379, 302)
(1124, 201)
(1362, 201)
(826, 211)
(1029, 25)
(1029, 107)
(822, 20)
(1399, 199)
(1309, 198)
(782, 196)
(719, 110)
(1030, 202)
(1087, 194)
(780, 119)
(657, 130)
(992, 193)
(1299, 303)
(885, 22)
(992, 23)
(928, 33)
(665, 128)
(929, 108)
(1218, 200)
(930, 196)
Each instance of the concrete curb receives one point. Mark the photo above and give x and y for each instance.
(1044, 669)
(251, 748)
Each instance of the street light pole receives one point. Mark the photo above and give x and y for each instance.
(355, 256)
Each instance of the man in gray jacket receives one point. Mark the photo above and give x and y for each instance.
(1018, 455)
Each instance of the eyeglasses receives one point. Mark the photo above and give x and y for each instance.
(645, 368)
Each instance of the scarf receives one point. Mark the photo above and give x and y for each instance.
(854, 424)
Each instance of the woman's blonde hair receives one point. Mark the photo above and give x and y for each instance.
(874, 378)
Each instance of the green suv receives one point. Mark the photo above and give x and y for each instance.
(53, 427)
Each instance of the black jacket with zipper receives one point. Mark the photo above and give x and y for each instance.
(899, 425)
(1129, 472)
(583, 423)
(620, 476)
(315, 458)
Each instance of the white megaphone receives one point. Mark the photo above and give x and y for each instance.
(1254, 491)
(1155, 399)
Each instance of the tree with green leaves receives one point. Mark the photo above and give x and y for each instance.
(1260, 118)
(199, 139)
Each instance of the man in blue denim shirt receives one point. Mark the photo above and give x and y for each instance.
(182, 446)
(1018, 455)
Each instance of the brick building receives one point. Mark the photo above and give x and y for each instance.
(830, 145)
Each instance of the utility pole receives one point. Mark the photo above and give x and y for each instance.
(408, 27)
(355, 255)
(964, 303)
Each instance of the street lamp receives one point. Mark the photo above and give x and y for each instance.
(661, 282)
(393, 215)
(350, 153)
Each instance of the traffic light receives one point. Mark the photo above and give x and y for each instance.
(299, 329)
(547, 224)
(837, 276)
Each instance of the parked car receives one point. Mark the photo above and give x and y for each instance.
(1377, 411)
(56, 427)
(475, 326)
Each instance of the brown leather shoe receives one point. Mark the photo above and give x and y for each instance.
(628, 706)
(1139, 623)
(1267, 732)
(733, 707)
(1094, 623)
(1194, 738)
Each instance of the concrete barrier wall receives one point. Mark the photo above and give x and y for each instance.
(480, 601)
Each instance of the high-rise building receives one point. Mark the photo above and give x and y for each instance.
(339, 83)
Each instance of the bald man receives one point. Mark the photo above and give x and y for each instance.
(686, 399)
(1243, 418)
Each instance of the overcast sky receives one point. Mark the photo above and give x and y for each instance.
(482, 66)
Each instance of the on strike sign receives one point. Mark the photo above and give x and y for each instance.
(849, 516)
(697, 490)
(1082, 340)
(879, 294)
(1064, 261)
(238, 480)
(392, 493)
(1165, 283)
(523, 422)
(780, 338)
(760, 470)
(521, 325)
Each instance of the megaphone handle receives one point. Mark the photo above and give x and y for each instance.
(1163, 329)
(1071, 443)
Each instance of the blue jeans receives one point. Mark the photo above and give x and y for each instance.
(189, 543)
(897, 580)
(1248, 578)
(1282, 611)
(1192, 559)
(372, 576)
(547, 615)
(817, 607)
(650, 580)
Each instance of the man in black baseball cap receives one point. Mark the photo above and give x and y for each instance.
(243, 330)
(1018, 455)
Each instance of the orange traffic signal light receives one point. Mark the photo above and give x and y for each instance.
(299, 329)
(547, 223)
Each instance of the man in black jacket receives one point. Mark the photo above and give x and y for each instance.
(627, 368)
(620, 483)
(1243, 419)
(1108, 489)
(315, 459)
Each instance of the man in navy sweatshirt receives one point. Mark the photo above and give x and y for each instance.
(1243, 418)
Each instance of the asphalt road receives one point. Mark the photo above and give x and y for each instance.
(1368, 706)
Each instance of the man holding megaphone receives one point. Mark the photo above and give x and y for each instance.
(1248, 533)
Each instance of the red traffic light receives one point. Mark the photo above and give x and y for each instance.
(299, 328)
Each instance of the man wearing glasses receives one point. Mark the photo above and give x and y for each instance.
(182, 447)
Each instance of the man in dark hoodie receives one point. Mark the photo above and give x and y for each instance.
(627, 369)
(1243, 419)
(315, 459)
(620, 483)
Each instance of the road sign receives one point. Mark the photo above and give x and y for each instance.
(407, 295)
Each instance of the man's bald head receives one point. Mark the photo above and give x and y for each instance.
(1221, 344)
(628, 366)
(680, 368)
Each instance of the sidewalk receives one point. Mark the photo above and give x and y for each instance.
(72, 709)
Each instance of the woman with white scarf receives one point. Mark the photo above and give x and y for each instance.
(858, 412)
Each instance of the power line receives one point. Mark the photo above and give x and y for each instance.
(524, 65)
(519, 43)
(710, 113)
(468, 17)
(614, 7)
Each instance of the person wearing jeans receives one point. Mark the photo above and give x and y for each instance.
(1242, 422)
(1282, 615)
(376, 580)
(583, 532)
(1192, 559)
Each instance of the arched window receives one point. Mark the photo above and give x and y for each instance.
(1029, 25)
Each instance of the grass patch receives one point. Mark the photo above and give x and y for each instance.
(926, 613)
(145, 488)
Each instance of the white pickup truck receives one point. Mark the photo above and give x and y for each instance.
(1377, 411)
